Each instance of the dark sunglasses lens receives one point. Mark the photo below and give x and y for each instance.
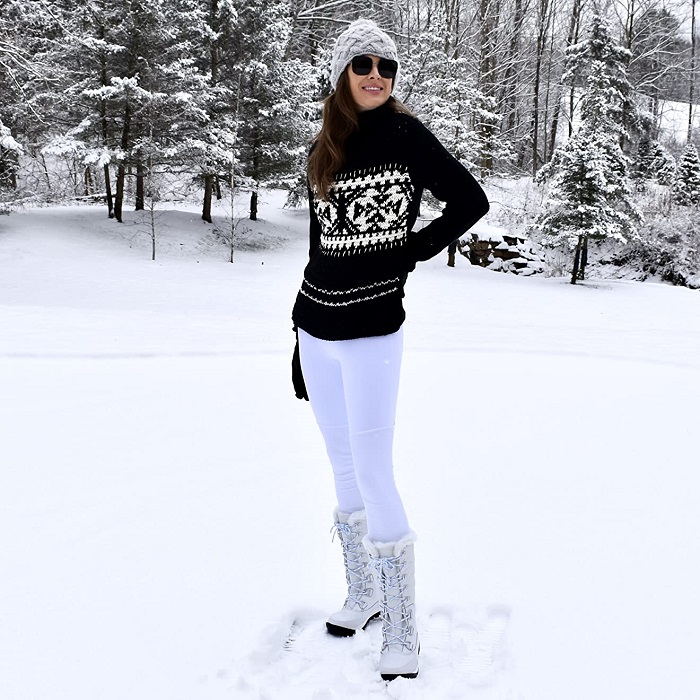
(362, 65)
(387, 68)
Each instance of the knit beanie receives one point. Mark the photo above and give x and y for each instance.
(363, 36)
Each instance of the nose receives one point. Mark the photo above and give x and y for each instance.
(374, 73)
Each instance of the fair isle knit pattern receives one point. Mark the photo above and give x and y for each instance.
(355, 295)
(367, 210)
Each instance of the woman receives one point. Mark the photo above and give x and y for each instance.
(367, 170)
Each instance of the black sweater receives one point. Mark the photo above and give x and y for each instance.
(362, 246)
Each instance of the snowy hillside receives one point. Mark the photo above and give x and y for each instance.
(165, 504)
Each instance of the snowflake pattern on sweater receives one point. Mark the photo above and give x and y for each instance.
(366, 210)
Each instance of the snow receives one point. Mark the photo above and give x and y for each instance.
(165, 504)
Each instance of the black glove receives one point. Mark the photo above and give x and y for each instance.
(297, 376)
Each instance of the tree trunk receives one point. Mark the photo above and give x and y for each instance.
(46, 172)
(87, 178)
(574, 29)
(256, 174)
(217, 187)
(140, 198)
(121, 174)
(206, 206)
(509, 80)
(451, 253)
(584, 259)
(108, 193)
(577, 259)
(254, 205)
(543, 20)
(691, 93)
(105, 126)
(488, 24)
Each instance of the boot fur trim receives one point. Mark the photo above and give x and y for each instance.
(388, 549)
(349, 518)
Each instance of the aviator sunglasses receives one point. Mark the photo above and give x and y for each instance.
(362, 65)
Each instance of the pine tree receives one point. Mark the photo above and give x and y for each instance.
(28, 28)
(590, 195)
(600, 64)
(10, 56)
(654, 162)
(439, 85)
(9, 152)
(276, 93)
(432, 84)
(686, 185)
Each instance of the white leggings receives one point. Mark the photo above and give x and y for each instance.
(353, 386)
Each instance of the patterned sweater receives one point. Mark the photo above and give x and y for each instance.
(362, 246)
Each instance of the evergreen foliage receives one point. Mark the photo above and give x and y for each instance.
(108, 99)
(590, 195)
(654, 162)
(686, 185)
(600, 64)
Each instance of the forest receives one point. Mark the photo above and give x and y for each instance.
(129, 101)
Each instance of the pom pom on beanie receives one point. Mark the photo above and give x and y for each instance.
(363, 36)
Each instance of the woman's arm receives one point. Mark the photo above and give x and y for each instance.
(449, 181)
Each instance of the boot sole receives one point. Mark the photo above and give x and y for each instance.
(392, 676)
(338, 631)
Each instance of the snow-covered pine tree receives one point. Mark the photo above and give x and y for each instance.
(600, 64)
(590, 196)
(438, 82)
(276, 105)
(11, 58)
(80, 126)
(585, 194)
(257, 100)
(654, 162)
(205, 56)
(9, 152)
(686, 184)
(28, 81)
(433, 84)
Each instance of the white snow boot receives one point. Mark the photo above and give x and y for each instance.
(394, 566)
(363, 602)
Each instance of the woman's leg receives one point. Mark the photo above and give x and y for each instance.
(370, 375)
(324, 383)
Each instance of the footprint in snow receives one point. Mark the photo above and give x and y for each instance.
(462, 651)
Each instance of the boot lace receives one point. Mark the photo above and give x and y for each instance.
(397, 611)
(357, 572)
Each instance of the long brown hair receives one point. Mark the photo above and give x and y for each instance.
(339, 121)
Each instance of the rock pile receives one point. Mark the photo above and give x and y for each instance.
(501, 251)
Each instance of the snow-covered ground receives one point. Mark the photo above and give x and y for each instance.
(165, 503)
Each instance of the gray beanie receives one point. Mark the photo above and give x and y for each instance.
(363, 36)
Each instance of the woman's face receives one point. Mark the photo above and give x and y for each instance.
(369, 91)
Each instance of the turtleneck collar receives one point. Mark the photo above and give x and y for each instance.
(370, 116)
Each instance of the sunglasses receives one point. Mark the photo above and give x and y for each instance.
(362, 65)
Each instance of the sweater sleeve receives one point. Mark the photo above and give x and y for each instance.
(449, 181)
